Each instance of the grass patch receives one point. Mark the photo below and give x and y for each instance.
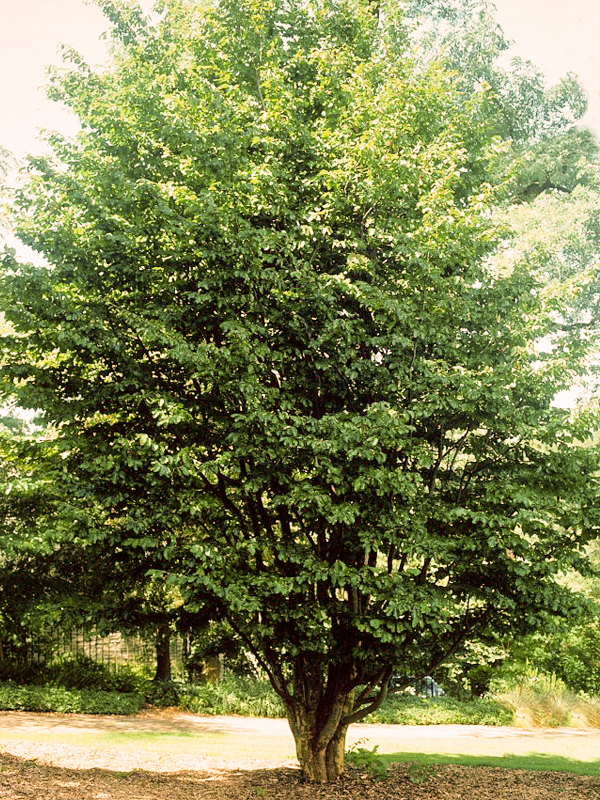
(153, 737)
(533, 761)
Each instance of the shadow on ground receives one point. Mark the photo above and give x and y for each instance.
(26, 778)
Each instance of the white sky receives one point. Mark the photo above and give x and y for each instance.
(560, 35)
(31, 32)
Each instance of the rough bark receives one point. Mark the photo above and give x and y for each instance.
(318, 723)
(320, 755)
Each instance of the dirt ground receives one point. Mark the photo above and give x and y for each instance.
(182, 757)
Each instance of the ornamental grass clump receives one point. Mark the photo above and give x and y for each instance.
(549, 704)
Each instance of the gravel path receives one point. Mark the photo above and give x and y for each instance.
(156, 740)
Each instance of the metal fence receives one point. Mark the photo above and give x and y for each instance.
(114, 649)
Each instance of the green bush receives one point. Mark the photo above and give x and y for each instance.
(571, 655)
(254, 698)
(368, 761)
(22, 673)
(247, 697)
(406, 709)
(163, 694)
(575, 659)
(65, 701)
(78, 672)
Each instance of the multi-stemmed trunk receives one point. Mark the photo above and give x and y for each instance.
(318, 718)
(320, 761)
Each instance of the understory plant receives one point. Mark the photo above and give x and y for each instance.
(64, 701)
(368, 761)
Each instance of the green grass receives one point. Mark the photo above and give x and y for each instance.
(155, 737)
(145, 737)
(533, 761)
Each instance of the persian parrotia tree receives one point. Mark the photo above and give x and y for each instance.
(278, 358)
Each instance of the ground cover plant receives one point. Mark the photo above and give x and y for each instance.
(68, 701)
(540, 702)
(401, 709)
(232, 695)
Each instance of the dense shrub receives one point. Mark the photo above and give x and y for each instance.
(232, 695)
(25, 674)
(65, 701)
(406, 709)
(163, 694)
(575, 658)
(77, 672)
(571, 656)
(82, 672)
(255, 698)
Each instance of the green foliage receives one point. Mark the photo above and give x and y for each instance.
(480, 678)
(217, 639)
(573, 656)
(471, 672)
(254, 698)
(405, 709)
(467, 37)
(569, 655)
(79, 672)
(246, 697)
(64, 701)
(163, 694)
(368, 761)
(419, 773)
(82, 672)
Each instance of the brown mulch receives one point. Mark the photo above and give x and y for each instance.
(27, 778)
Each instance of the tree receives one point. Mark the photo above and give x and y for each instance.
(281, 362)
(547, 150)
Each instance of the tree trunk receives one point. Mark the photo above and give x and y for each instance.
(324, 763)
(320, 736)
(163, 654)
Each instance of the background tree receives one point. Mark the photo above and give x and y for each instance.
(280, 359)
(547, 151)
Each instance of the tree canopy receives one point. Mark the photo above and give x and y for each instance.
(284, 368)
